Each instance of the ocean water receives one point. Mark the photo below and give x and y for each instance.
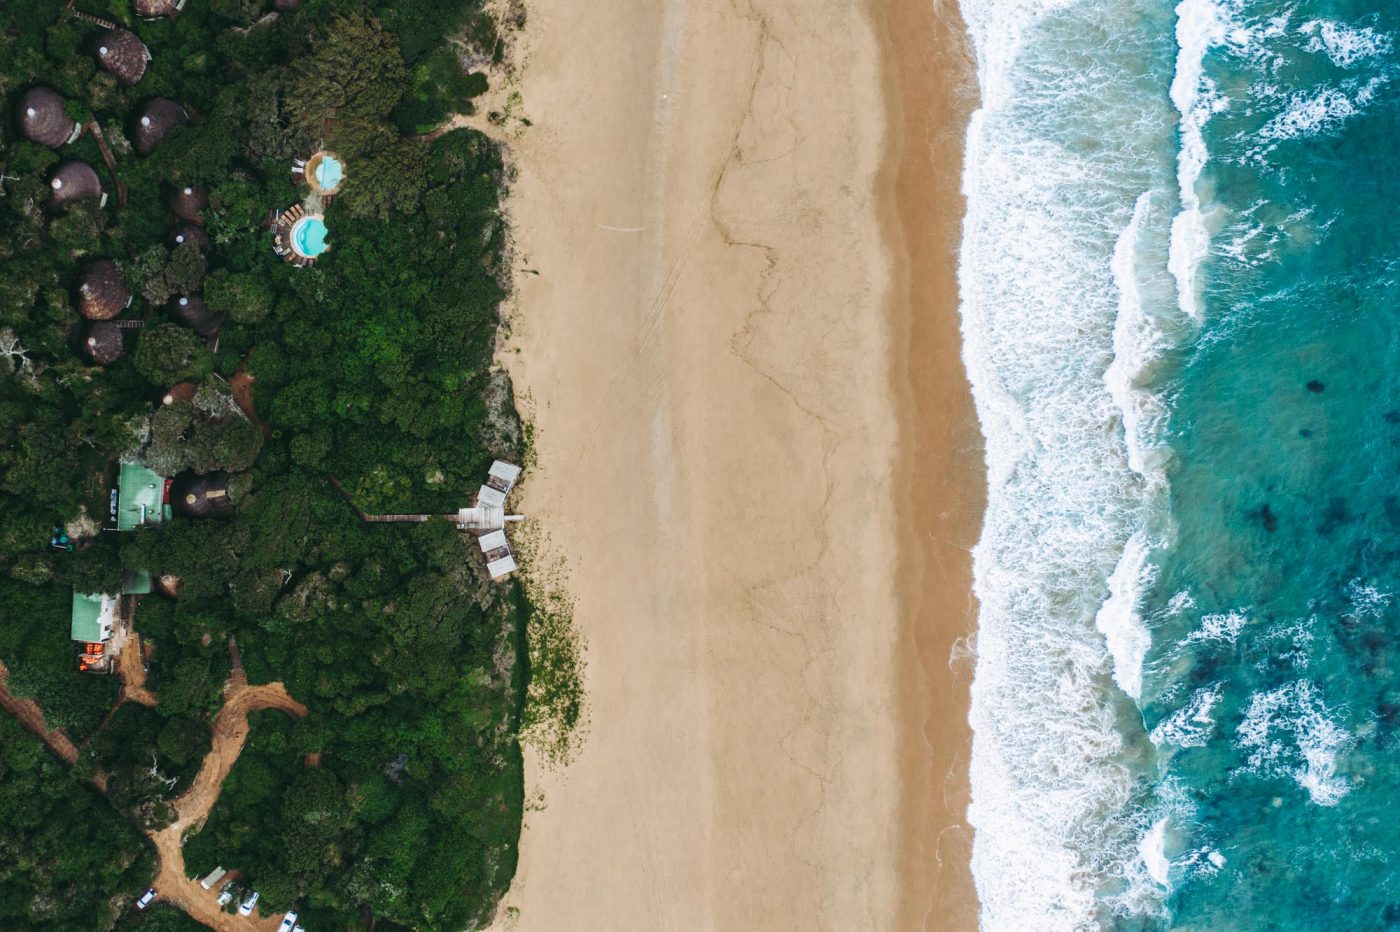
(1180, 276)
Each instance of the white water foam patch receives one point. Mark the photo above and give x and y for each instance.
(1289, 731)
(1056, 810)
(1366, 600)
(1192, 725)
(1315, 113)
(1153, 851)
(1344, 44)
(1199, 26)
(1119, 620)
(1224, 627)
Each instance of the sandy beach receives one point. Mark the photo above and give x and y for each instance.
(735, 330)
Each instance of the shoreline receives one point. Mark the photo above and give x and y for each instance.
(940, 477)
(714, 342)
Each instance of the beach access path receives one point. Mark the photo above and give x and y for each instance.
(702, 336)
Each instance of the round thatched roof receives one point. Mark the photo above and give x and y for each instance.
(73, 181)
(196, 496)
(102, 293)
(157, 121)
(122, 55)
(169, 585)
(103, 343)
(191, 311)
(187, 202)
(189, 233)
(150, 9)
(42, 118)
(180, 391)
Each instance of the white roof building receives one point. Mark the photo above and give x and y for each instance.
(489, 515)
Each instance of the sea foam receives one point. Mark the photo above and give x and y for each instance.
(1067, 307)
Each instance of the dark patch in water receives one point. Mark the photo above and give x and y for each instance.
(1389, 712)
(1266, 517)
(1304, 433)
(1316, 387)
(1392, 417)
(1335, 515)
(1392, 509)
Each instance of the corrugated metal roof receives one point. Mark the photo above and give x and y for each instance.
(493, 541)
(93, 615)
(502, 567)
(139, 494)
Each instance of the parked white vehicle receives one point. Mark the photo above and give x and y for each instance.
(289, 921)
(147, 898)
(246, 907)
(226, 894)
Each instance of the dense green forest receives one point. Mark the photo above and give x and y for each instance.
(373, 367)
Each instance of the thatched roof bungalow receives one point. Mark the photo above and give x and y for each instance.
(189, 233)
(103, 344)
(154, 9)
(168, 585)
(102, 291)
(191, 311)
(196, 496)
(160, 118)
(187, 202)
(122, 55)
(180, 391)
(75, 181)
(42, 118)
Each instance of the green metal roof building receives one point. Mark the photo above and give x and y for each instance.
(140, 495)
(93, 617)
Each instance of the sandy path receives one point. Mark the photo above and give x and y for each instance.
(193, 806)
(131, 667)
(707, 349)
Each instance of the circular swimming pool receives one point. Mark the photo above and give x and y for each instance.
(309, 237)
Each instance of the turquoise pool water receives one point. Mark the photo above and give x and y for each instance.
(309, 236)
(328, 173)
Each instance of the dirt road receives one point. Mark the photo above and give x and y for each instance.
(131, 667)
(193, 806)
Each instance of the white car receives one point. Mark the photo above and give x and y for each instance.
(225, 894)
(289, 921)
(246, 907)
(147, 898)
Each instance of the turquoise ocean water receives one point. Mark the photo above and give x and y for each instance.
(1180, 273)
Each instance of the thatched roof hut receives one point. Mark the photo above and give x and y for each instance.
(168, 585)
(73, 181)
(187, 202)
(102, 293)
(196, 496)
(122, 55)
(103, 344)
(180, 391)
(152, 9)
(189, 233)
(42, 118)
(191, 311)
(160, 118)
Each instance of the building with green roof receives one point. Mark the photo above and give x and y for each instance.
(94, 616)
(140, 496)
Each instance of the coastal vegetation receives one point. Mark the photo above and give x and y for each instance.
(398, 798)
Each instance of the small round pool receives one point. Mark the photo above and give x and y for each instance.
(309, 237)
(328, 173)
